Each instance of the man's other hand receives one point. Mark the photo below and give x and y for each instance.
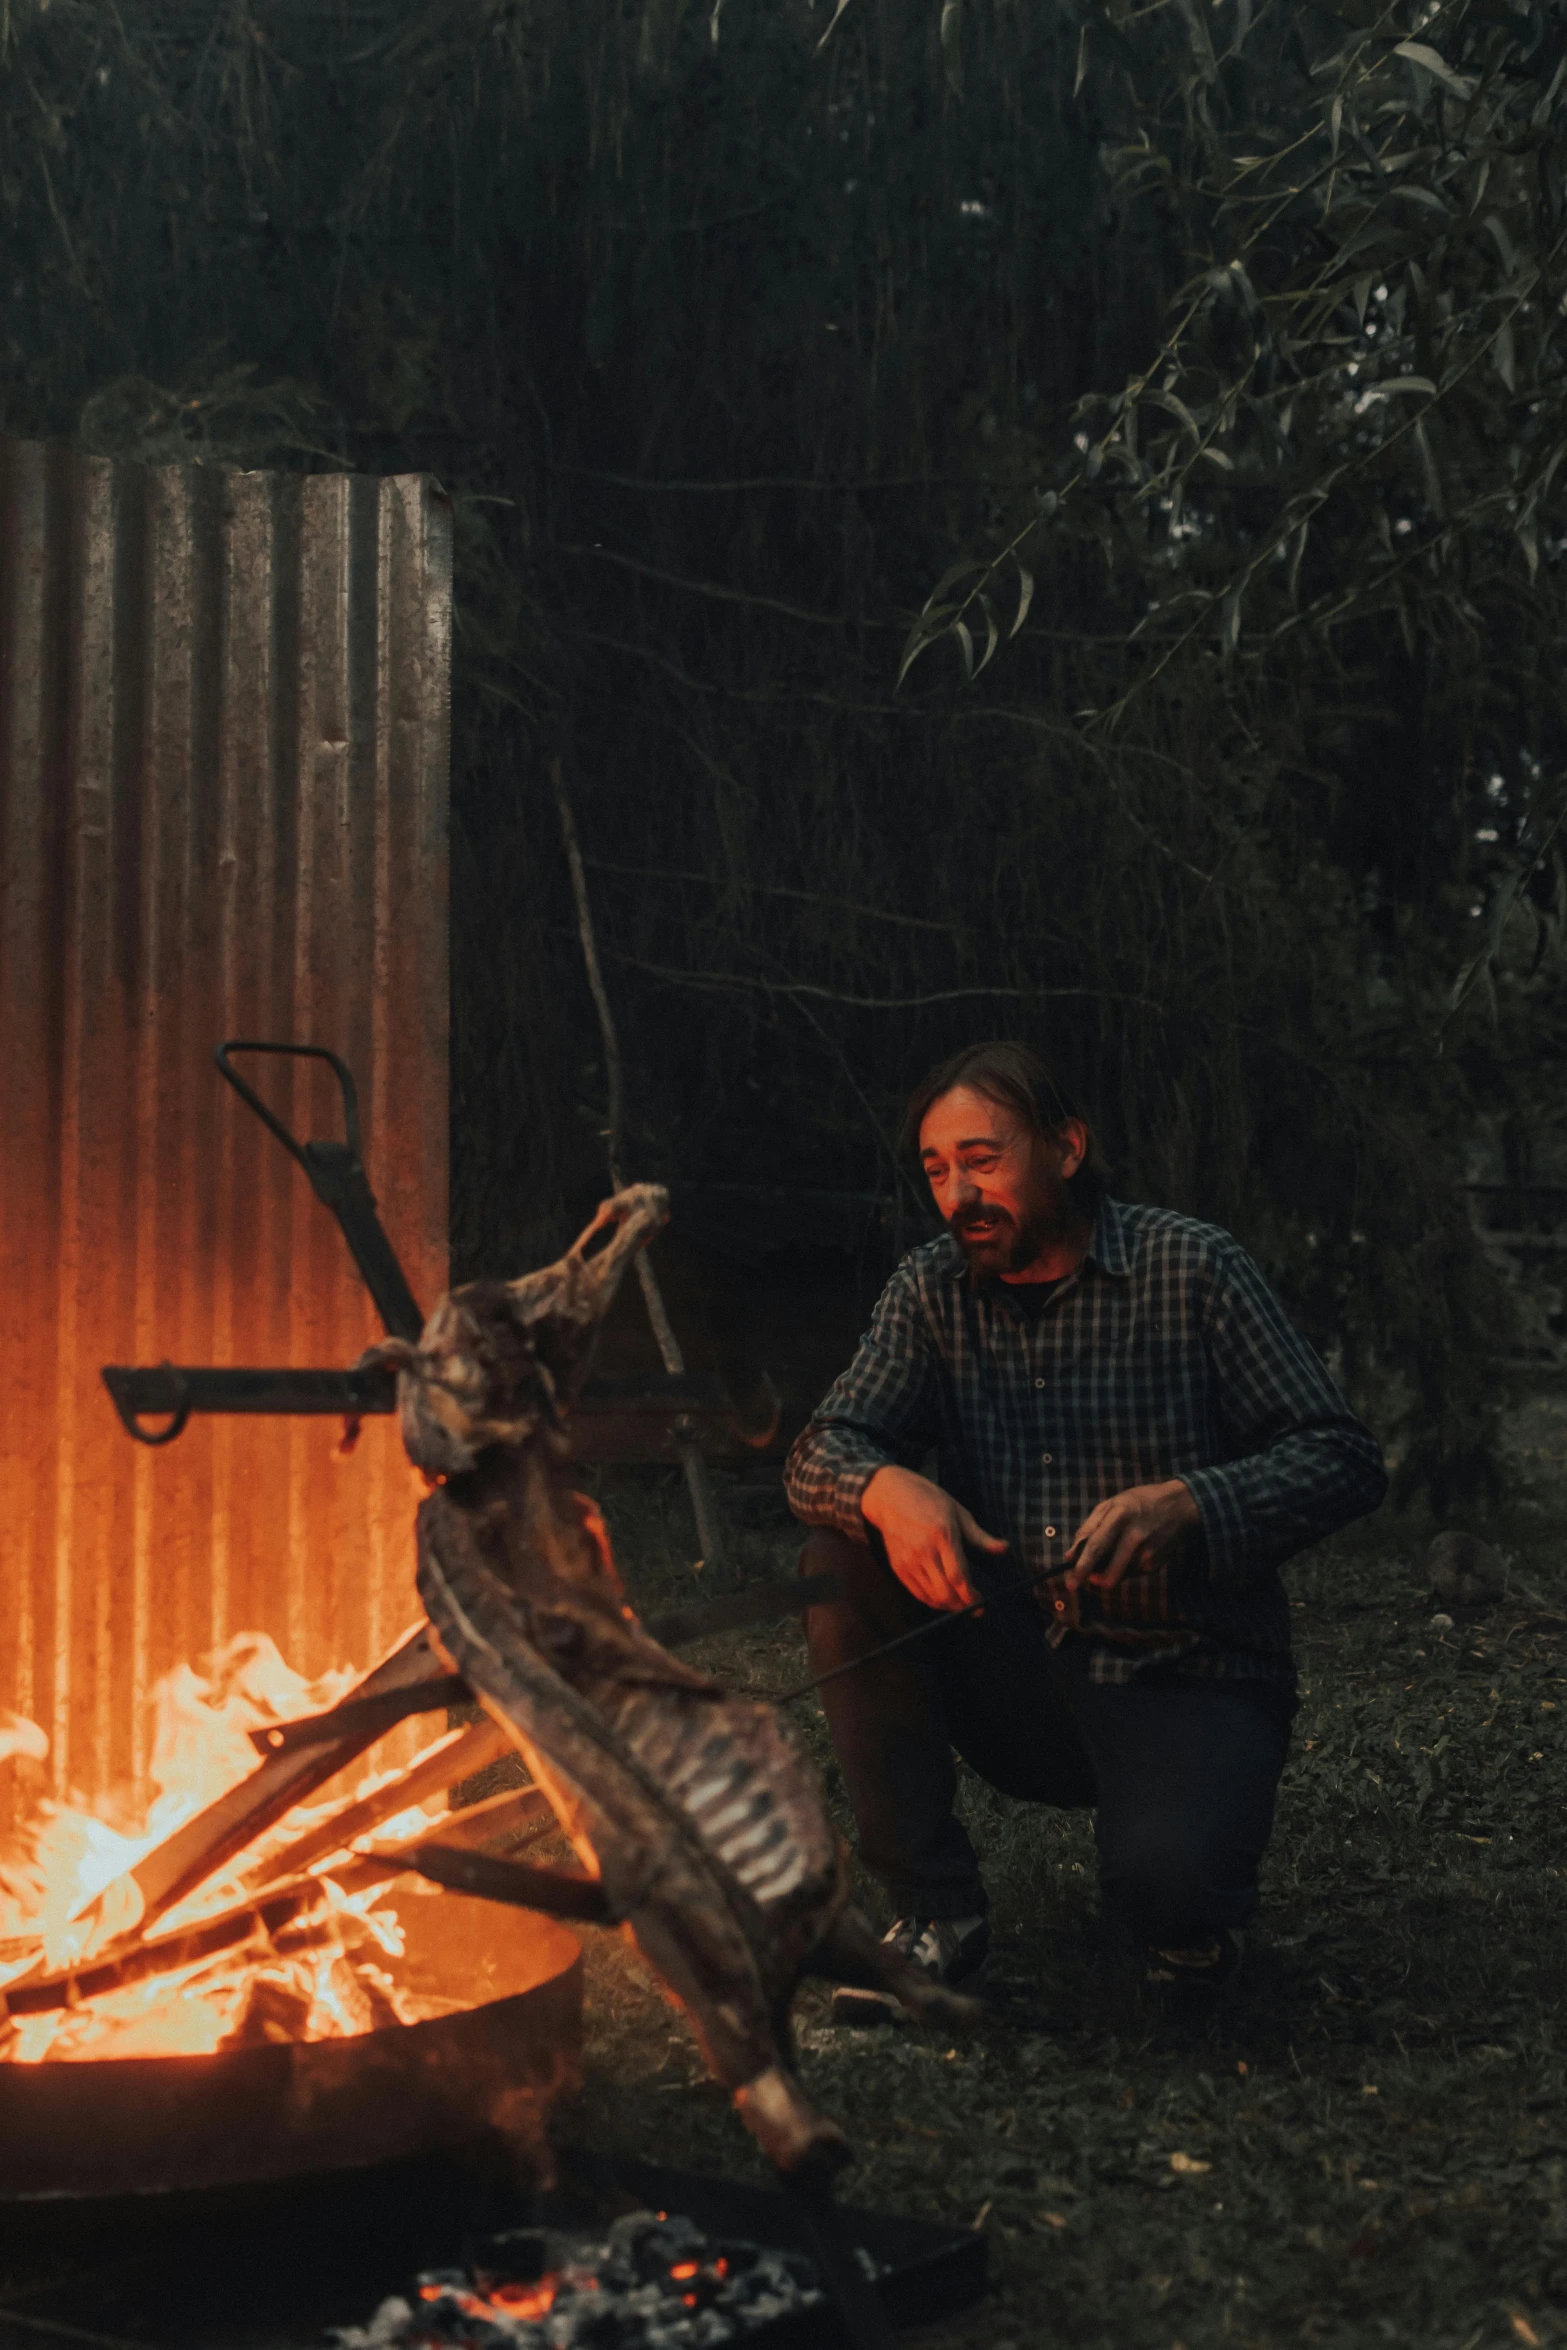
(1131, 1534)
(925, 1531)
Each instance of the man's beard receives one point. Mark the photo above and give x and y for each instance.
(1009, 1245)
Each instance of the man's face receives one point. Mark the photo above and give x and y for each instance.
(1001, 1188)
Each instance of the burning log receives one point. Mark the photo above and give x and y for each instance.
(283, 1903)
(445, 1764)
(358, 1715)
(560, 1893)
(173, 1869)
(695, 1811)
(203, 1845)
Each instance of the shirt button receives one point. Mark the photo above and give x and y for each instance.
(1050, 1533)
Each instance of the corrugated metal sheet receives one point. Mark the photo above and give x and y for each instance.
(223, 797)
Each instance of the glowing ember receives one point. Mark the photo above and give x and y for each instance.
(648, 2282)
(65, 1891)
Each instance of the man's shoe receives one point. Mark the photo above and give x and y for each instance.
(954, 1950)
(1199, 1972)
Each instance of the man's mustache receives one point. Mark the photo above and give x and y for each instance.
(969, 1217)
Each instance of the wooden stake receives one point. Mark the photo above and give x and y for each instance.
(703, 1506)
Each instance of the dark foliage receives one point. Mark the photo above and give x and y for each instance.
(1224, 344)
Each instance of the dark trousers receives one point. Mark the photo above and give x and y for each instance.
(1180, 1772)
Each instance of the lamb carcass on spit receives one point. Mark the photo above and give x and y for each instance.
(696, 1811)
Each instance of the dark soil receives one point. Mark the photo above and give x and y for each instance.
(1368, 2141)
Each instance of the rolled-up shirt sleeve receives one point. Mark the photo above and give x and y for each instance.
(883, 1412)
(1303, 1464)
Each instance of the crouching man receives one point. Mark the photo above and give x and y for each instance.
(1096, 1419)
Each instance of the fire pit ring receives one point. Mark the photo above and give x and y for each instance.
(85, 2130)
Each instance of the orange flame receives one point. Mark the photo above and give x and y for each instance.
(66, 1891)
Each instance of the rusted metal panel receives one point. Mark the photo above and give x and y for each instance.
(223, 793)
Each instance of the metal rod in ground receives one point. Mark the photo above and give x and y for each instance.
(704, 1509)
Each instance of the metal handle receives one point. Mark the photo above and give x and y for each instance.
(269, 1118)
(338, 1179)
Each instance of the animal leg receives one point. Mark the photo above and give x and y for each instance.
(800, 2142)
(740, 2049)
(849, 1952)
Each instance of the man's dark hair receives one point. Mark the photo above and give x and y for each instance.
(1012, 1073)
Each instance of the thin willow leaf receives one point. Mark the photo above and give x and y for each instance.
(1297, 555)
(965, 637)
(1422, 54)
(952, 44)
(832, 27)
(1504, 355)
(1429, 471)
(992, 633)
(1503, 242)
(1025, 597)
(966, 567)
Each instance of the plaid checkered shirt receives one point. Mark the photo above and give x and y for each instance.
(1164, 1355)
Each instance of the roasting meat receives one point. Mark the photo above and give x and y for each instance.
(696, 1811)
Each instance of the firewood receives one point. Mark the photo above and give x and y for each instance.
(356, 1715)
(560, 1893)
(220, 1832)
(456, 1758)
(217, 1834)
(137, 1957)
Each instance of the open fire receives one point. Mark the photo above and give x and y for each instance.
(68, 1895)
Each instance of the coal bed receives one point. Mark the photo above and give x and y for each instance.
(312, 2264)
(653, 2280)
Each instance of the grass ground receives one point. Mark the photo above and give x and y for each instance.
(1369, 2143)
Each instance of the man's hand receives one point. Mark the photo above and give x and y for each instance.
(924, 1530)
(1131, 1534)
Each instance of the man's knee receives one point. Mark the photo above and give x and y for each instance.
(1165, 1880)
(868, 1606)
(827, 1551)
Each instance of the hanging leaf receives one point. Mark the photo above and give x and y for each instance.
(1432, 479)
(992, 632)
(1296, 556)
(1420, 53)
(1025, 597)
(1502, 241)
(952, 45)
(833, 26)
(1504, 356)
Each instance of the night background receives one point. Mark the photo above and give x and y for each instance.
(1038, 517)
(1227, 344)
